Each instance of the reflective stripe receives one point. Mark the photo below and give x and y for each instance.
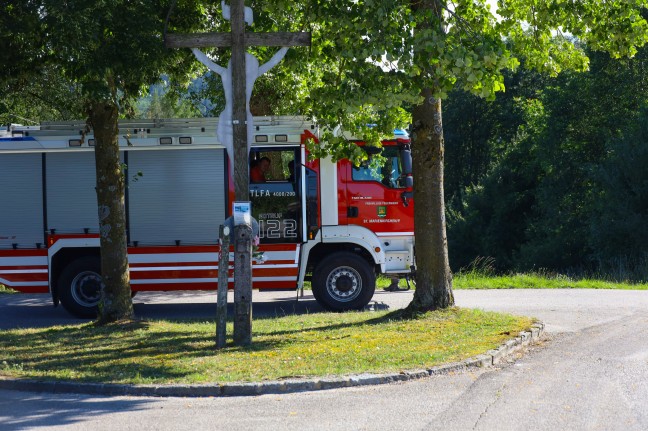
(23, 271)
(24, 283)
(23, 261)
(204, 280)
(288, 255)
(172, 268)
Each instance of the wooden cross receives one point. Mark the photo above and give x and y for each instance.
(238, 40)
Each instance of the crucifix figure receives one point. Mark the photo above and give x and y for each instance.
(225, 131)
(235, 127)
(240, 75)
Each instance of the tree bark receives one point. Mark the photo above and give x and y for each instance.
(116, 303)
(433, 276)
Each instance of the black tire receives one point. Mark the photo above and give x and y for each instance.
(79, 287)
(343, 281)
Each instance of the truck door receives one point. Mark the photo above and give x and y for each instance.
(379, 195)
(275, 193)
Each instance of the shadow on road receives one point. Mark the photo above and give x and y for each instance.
(21, 411)
(34, 311)
(203, 310)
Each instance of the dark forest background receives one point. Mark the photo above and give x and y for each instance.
(553, 175)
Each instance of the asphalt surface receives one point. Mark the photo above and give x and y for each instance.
(591, 372)
(22, 311)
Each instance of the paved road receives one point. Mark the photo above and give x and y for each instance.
(591, 373)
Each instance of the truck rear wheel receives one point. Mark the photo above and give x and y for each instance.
(343, 281)
(80, 285)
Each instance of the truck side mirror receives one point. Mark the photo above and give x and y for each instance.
(408, 183)
(406, 159)
(405, 182)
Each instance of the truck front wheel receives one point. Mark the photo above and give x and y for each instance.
(344, 281)
(80, 286)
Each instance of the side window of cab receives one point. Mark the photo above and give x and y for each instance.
(387, 172)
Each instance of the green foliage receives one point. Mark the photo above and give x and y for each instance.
(162, 103)
(31, 89)
(568, 191)
(585, 112)
(490, 216)
(620, 205)
(22, 52)
(58, 56)
(47, 96)
(545, 32)
(370, 59)
(114, 49)
(479, 133)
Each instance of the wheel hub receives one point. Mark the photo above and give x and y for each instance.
(344, 283)
(86, 288)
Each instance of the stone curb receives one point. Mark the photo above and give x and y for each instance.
(490, 358)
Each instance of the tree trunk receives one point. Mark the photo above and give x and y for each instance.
(433, 275)
(116, 303)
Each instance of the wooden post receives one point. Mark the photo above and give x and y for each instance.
(243, 234)
(243, 286)
(239, 102)
(223, 275)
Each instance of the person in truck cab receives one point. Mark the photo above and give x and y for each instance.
(258, 170)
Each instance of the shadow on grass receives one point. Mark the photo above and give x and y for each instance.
(129, 351)
(113, 353)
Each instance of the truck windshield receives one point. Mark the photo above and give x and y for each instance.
(389, 173)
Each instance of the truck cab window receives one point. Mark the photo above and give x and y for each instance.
(387, 173)
(275, 164)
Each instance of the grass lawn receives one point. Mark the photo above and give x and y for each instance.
(537, 281)
(4, 289)
(293, 346)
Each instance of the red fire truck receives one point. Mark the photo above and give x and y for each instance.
(335, 224)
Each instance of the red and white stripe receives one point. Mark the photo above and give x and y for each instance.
(24, 270)
(196, 268)
(161, 268)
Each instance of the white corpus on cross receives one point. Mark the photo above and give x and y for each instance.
(225, 130)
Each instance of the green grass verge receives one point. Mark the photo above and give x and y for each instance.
(292, 346)
(476, 280)
(4, 289)
(537, 281)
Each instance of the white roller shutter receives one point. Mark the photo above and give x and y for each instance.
(21, 197)
(71, 195)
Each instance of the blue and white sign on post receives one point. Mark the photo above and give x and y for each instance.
(242, 212)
